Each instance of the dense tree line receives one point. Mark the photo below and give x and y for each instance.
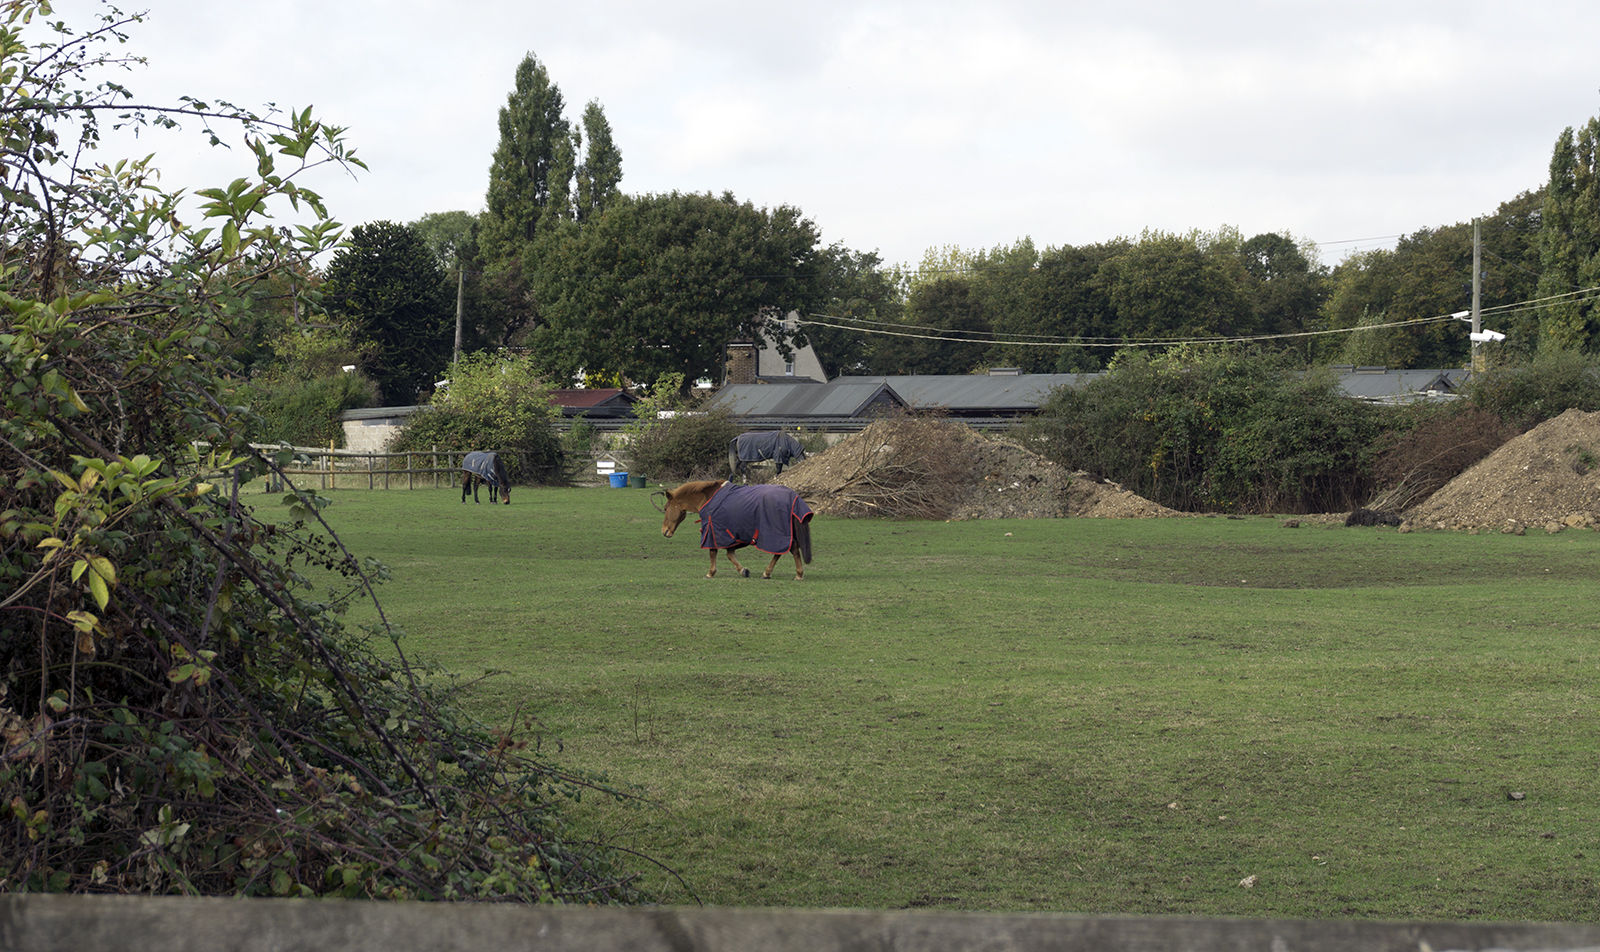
(563, 266)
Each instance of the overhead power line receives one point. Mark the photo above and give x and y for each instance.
(1044, 340)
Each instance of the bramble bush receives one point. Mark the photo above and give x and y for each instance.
(1216, 429)
(687, 446)
(1428, 445)
(690, 444)
(1525, 395)
(181, 709)
(304, 412)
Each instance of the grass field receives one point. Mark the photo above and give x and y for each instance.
(1064, 715)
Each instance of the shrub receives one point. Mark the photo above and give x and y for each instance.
(182, 709)
(493, 403)
(1526, 395)
(304, 413)
(1215, 429)
(1432, 445)
(691, 445)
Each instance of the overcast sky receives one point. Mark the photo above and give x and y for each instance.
(899, 126)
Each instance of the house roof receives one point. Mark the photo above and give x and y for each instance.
(589, 397)
(988, 394)
(1380, 385)
(596, 403)
(844, 397)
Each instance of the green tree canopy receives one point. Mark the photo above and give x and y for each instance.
(658, 284)
(1569, 240)
(387, 286)
(533, 131)
(1179, 286)
(861, 297)
(600, 174)
(951, 329)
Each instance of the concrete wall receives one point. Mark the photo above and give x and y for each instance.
(138, 924)
(370, 436)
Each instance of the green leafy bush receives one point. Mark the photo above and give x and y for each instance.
(493, 403)
(690, 445)
(182, 709)
(1525, 395)
(1215, 430)
(304, 413)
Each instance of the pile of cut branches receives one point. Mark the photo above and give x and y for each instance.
(912, 467)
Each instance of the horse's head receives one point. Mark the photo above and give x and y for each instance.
(675, 511)
(685, 499)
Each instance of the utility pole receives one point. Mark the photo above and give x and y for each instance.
(1477, 289)
(461, 297)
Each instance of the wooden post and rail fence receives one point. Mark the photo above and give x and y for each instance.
(324, 468)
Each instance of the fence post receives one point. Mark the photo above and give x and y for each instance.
(435, 466)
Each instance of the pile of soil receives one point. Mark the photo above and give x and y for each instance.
(1549, 478)
(969, 476)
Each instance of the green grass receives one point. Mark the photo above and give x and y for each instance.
(1065, 715)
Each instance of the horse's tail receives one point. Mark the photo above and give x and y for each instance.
(801, 545)
(505, 481)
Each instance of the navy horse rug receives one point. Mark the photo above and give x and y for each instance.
(481, 467)
(763, 516)
(776, 445)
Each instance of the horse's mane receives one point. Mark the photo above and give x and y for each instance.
(700, 486)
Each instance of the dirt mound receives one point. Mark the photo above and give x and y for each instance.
(940, 469)
(1549, 477)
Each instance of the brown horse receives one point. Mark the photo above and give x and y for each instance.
(772, 518)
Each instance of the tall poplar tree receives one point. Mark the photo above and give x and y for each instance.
(533, 135)
(600, 175)
(1569, 239)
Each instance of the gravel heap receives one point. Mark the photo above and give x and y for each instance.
(1549, 478)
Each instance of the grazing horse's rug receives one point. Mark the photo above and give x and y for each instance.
(762, 516)
(484, 467)
(777, 445)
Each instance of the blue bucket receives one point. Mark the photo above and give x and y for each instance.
(619, 480)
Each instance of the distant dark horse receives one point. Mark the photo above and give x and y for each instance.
(747, 448)
(479, 468)
(772, 518)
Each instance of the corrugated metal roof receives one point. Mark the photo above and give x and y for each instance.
(1391, 385)
(844, 397)
(979, 392)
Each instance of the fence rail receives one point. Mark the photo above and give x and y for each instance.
(363, 469)
(326, 468)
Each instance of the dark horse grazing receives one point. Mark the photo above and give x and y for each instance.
(478, 468)
(776, 445)
(772, 518)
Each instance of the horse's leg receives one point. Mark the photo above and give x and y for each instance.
(713, 572)
(799, 569)
(743, 572)
(768, 573)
